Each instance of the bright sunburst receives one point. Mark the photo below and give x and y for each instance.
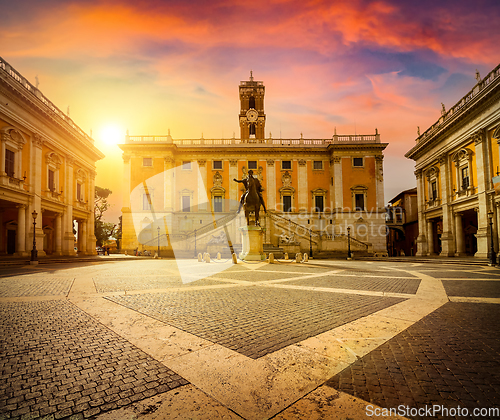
(112, 134)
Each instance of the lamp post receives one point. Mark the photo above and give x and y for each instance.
(492, 248)
(348, 243)
(158, 241)
(34, 252)
(310, 243)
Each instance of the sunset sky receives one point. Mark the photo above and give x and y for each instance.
(150, 66)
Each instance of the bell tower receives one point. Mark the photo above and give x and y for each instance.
(252, 117)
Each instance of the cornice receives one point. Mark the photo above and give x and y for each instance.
(10, 90)
(452, 122)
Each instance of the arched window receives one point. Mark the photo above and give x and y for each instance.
(252, 129)
(251, 102)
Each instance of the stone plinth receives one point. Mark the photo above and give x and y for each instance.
(252, 241)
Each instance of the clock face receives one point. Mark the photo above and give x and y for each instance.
(252, 115)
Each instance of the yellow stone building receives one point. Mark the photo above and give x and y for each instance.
(47, 166)
(456, 160)
(180, 192)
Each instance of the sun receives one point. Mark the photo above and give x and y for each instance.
(112, 134)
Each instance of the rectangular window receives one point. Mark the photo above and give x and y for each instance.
(217, 164)
(465, 178)
(9, 162)
(319, 203)
(252, 164)
(434, 190)
(287, 203)
(357, 161)
(146, 202)
(359, 201)
(186, 203)
(286, 164)
(186, 164)
(79, 192)
(147, 161)
(218, 204)
(318, 164)
(52, 184)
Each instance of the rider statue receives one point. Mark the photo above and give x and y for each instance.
(244, 181)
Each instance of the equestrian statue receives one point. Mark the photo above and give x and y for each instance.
(252, 198)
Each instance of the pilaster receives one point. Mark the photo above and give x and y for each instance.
(303, 186)
(271, 185)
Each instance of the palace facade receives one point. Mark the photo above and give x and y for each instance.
(455, 162)
(47, 169)
(180, 193)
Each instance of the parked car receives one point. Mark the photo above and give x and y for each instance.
(100, 251)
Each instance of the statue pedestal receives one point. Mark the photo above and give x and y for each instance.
(252, 240)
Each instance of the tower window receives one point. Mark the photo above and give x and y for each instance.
(286, 164)
(252, 129)
(251, 102)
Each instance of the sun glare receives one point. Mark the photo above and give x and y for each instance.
(112, 134)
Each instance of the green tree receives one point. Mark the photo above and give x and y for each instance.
(102, 230)
(118, 234)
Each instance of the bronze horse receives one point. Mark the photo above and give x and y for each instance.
(252, 201)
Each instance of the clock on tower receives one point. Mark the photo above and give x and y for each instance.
(252, 117)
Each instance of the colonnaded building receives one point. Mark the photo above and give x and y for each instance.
(47, 170)
(456, 161)
(182, 193)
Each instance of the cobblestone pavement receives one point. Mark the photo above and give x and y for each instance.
(34, 286)
(270, 334)
(376, 284)
(56, 360)
(255, 321)
(450, 358)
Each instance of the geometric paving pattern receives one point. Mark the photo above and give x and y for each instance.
(34, 286)
(374, 284)
(471, 288)
(451, 358)
(254, 321)
(56, 359)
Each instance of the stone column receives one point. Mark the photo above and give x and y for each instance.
(447, 240)
(421, 239)
(83, 242)
(337, 181)
(36, 189)
(168, 179)
(21, 231)
(59, 238)
(482, 183)
(303, 188)
(67, 219)
(203, 198)
(459, 231)
(233, 186)
(91, 239)
(271, 186)
(3, 231)
(430, 238)
(379, 175)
